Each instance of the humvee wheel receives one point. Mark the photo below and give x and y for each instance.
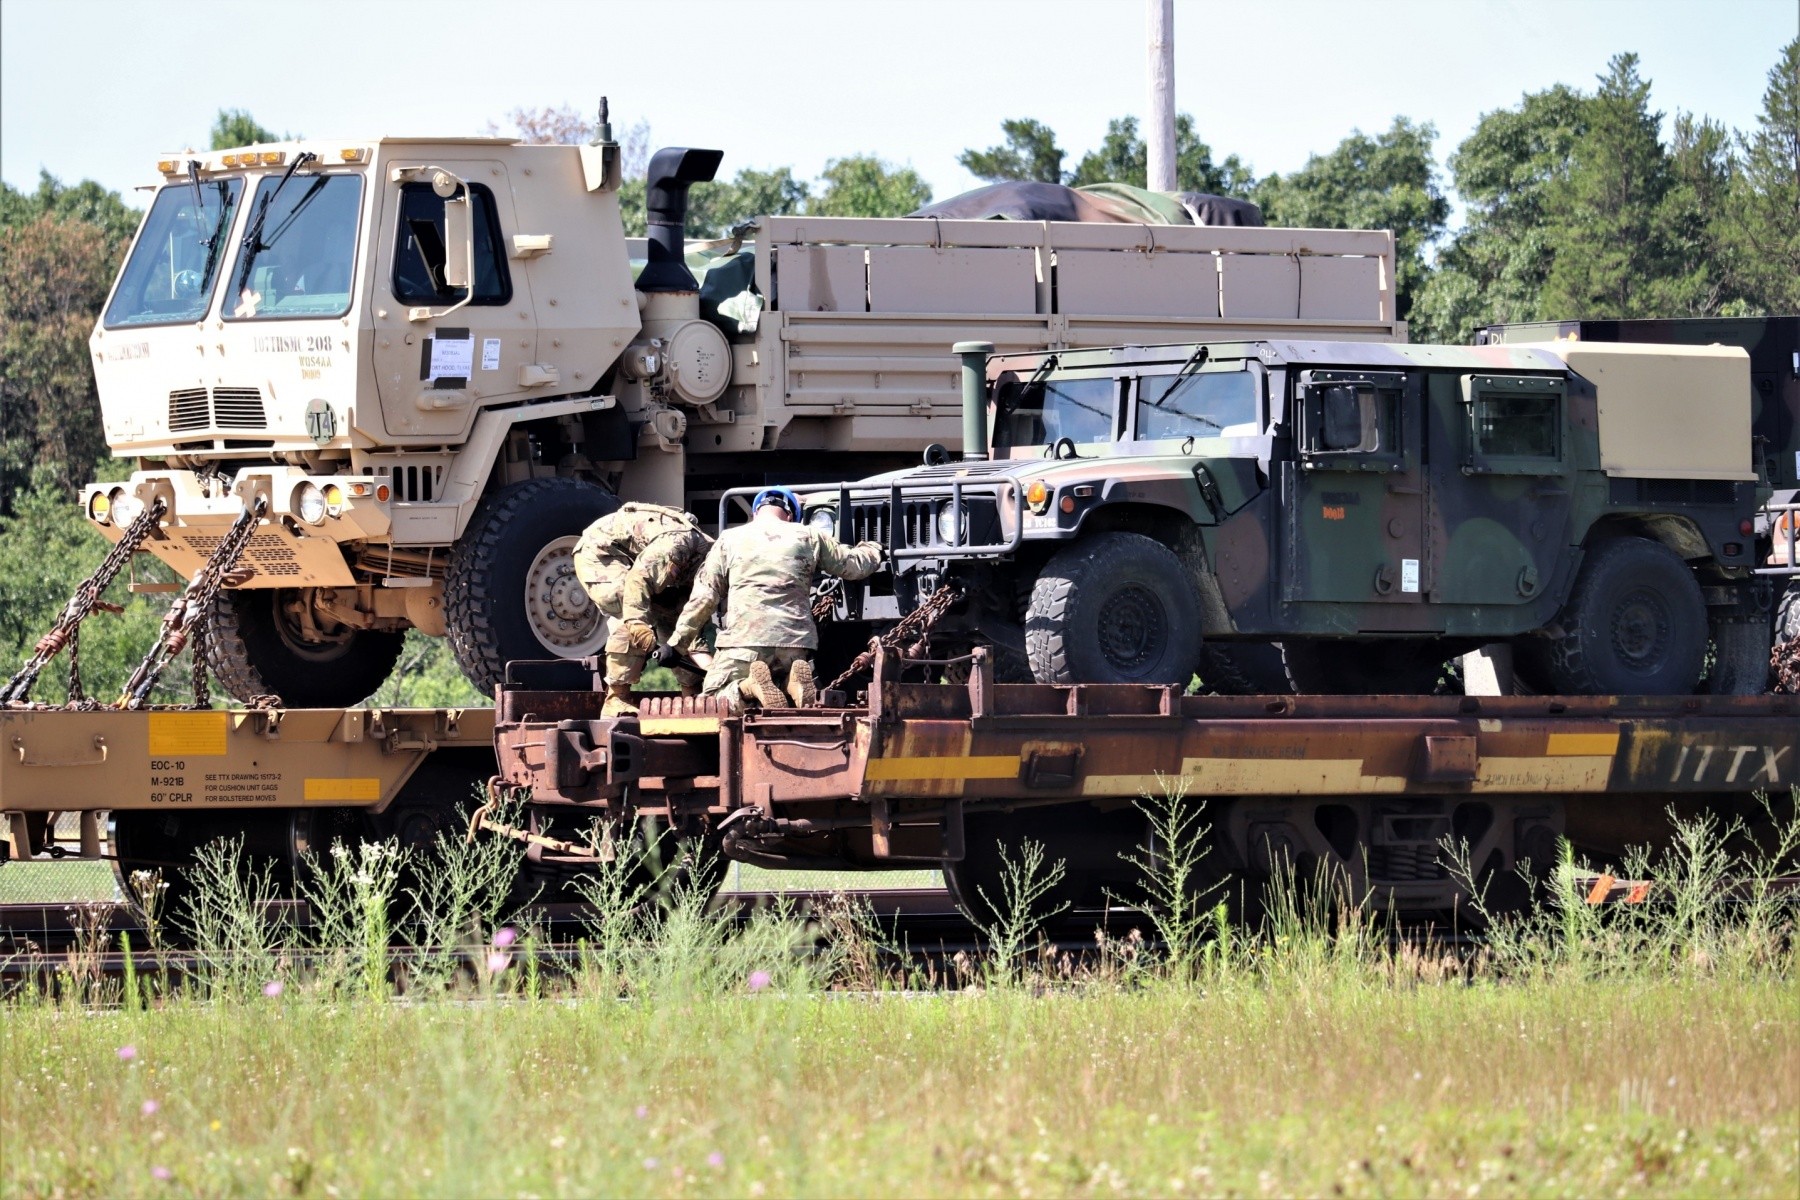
(511, 590)
(1116, 608)
(1387, 667)
(255, 647)
(1635, 625)
(1244, 669)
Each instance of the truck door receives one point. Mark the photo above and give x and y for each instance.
(437, 363)
(1500, 489)
(1356, 519)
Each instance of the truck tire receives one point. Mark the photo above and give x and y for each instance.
(1740, 659)
(1244, 669)
(254, 649)
(1115, 608)
(1386, 667)
(511, 591)
(1635, 624)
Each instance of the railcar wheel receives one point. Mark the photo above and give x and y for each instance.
(1087, 843)
(1116, 608)
(511, 591)
(1635, 624)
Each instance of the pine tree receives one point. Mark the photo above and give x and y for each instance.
(1763, 228)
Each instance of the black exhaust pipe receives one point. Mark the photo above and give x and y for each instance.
(672, 171)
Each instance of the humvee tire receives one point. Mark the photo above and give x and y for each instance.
(1114, 608)
(1244, 669)
(511, 591)
(1635, 625)
(1386, 667)
(253, 650)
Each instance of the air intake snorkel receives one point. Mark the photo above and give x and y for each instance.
(672, 171)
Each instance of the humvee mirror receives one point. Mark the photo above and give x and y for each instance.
(1341, 417)
(459, 238)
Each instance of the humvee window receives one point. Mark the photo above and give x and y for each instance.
(1515, 423)
(176, 260)
(1209, 404)
(1346, 418)
(419, 254)
(1037, 414)
(306, 252)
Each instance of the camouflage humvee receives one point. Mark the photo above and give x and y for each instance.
(1375, 509)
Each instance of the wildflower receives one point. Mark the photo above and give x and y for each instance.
(759, 980)
(148, 1108)
(273, 988)
(715, 1160)
(215, 1125)
(127, 1053)
(642, 1112)
(162, 1173)
(505, 936)
(498, 962)
(650, 1164)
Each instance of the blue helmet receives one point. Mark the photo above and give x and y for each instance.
(778, 495)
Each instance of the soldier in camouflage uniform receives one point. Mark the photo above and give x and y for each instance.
(637, 565)
(761, 575)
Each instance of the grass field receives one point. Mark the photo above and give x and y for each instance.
(1650, 1050)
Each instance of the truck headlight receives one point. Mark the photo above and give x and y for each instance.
(952, 522)
(822, 519)
(309, 502)
(126, 508)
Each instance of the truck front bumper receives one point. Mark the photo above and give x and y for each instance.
(287, 550)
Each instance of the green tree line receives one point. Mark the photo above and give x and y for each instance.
(1576, 205)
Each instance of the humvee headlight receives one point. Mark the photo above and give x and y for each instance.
(951, 523)
(309, 502)
(99, 506)
(822, 519)
(334, 499)
(126, 507)
(1038, 495)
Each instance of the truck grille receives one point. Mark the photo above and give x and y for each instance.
(226, 408)
(414, 484)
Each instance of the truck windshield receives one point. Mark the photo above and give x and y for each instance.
(170, 274)
(1039, 413)
(305, 253)
(1204, 405)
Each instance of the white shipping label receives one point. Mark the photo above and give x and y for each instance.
(490, 354)
(452, 358)
(1409, 574)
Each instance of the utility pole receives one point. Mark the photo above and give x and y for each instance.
(1159, 127)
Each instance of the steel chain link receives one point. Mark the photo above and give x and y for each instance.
(192, 611)
(86, 598)
(913, 625)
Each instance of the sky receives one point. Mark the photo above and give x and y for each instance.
(99, 88)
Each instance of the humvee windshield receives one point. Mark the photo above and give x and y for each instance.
(303, 260)
(173, 267)
(1038, 413)
(1208, 404)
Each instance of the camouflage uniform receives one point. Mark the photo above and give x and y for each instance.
(636, 565)
(760, 574)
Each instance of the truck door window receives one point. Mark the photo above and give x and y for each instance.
(175, 263)
(1037, 414)
(419, 249)
(1351, 419)
(1515, 423)
(1204, 405)
(305, 258)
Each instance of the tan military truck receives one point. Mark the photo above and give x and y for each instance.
(433, 362)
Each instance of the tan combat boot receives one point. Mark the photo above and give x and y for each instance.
(800, 686)
(761, 688)
(618, 701)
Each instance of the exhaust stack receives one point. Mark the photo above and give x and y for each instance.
(974, 398)
(672, 171)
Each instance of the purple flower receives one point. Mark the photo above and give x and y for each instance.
(650, 1164)
(498, 962)
(759, 980)
(505, 936)
(148, 1108)
(715, 1159)
(162, 1173)
(273, 988)
(127, 1053)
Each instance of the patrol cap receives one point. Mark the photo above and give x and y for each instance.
(778, 495)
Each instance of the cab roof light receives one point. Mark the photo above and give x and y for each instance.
(272, 158)
(230, 160)
(167, 166)
(352, 154)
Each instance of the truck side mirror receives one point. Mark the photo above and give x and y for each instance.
(459, 241)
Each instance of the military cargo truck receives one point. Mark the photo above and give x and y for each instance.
(434, 361)
(1374, 509)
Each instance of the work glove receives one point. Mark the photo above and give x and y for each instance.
(665, 655)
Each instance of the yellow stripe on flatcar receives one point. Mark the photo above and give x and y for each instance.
(188, 734)
(1582, 745)
(978, 766)
(320, 790)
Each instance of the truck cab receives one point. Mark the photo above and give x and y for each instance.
(1145, 513)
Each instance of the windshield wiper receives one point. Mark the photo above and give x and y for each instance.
(253, 243)
(1195, 361)
(216, 239)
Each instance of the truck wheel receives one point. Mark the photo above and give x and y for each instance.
(1244, 669)
(1116, 608)
(1635, 624)
(1387, 667)
(254, 647)
(1740, 662)
(511, 591)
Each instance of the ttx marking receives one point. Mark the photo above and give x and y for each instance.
(1770, 768)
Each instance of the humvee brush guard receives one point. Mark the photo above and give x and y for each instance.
(1373, 510)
